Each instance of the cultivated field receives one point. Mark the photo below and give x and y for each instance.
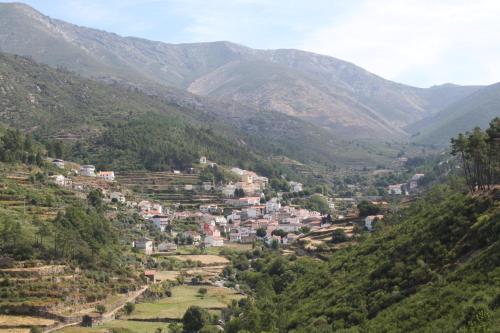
(182, 298)
(205, 259)
(7, 321)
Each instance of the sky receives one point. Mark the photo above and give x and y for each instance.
(416, 42)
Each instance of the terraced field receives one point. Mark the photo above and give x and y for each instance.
(182, 298)
(168, 187)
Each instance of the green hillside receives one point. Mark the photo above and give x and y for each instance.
(433, 269)
(475, 110)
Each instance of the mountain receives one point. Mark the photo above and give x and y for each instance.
(327, 92)
(120, 127)
(475, 110)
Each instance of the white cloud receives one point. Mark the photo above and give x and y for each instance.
(421, 41)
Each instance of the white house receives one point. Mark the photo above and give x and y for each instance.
(87, 170)
(145, 244)
(58, 163)
(203, 160)
(215, 241)
(370, 219)
(273, 205)
(106, 175)
(144, 205)
(295, 186)
(228, 190)
(60, 180)
(210, 208)
(395, 189)
(188, 187)
(248, 201)
(417, 176)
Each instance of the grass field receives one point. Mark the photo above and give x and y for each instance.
(134, 326)
(182, 298)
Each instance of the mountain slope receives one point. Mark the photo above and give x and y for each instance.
(475, 110)
(322, 90)
(121, 127)
(432, 268)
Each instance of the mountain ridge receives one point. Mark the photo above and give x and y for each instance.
(334, 93)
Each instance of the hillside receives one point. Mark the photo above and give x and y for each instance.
(475, 110)
(118, 126)
(433, 268)
(328, 92)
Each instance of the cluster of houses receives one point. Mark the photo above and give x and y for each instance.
(249, 182)
(406, 188)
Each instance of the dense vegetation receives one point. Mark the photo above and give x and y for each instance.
(433, 268)
(480, 155)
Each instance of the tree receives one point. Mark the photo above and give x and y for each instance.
(279, 232)
(195, 318)
(318, 203)
(100, 308)
(367, 208)
(129, 308)
(339, 236)
(261, 232)
(202, 292)
(36, 329)
(94, 198)
(479, 152)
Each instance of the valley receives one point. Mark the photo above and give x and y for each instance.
(208, 187)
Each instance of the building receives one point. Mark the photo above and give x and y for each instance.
(228, 190)
(150, 276)
(273, 206)
(207, 186)
(161, 222)
(235, 235)
(87, 170)
(144, 244)
(210, 208)
(395, 189)
(248, 201)
(58, 163)
(106, 175)
(417, 176)
(60, 180)
(215, 241)
(195, 236)
(295, 186)
(203, 160)
(117, 196)
(167, 247)
(370, 219)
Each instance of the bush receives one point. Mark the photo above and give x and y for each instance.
(195, 318)
(129, 308)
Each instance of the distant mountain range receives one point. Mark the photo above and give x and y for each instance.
(329, 93)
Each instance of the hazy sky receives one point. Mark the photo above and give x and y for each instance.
(418, 42)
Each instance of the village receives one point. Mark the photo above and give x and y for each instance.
(242, 215)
